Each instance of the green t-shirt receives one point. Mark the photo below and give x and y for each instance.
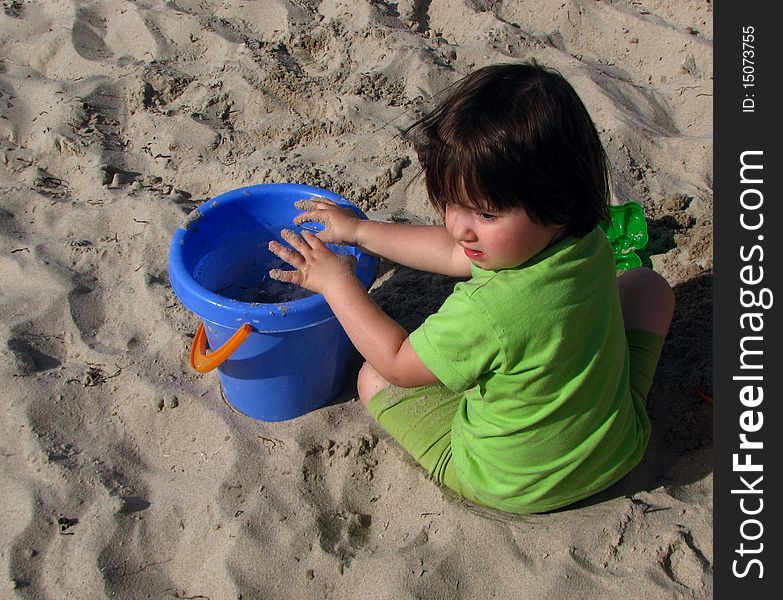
(540, 353)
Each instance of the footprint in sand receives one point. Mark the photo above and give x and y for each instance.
(341, 533)
(28, 358)
(348, 468)
(87, 34)
(683, 563)
(87, 311)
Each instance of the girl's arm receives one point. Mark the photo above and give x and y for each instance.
(378, 338)
(424, 247)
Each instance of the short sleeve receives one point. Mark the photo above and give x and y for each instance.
(457, 343)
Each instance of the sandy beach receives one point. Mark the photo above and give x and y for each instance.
(124, 473)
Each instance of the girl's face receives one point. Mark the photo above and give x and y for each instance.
(494, 240)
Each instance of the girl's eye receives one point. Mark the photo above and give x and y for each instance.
(486, 216)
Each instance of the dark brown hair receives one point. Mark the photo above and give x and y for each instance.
(516, 135)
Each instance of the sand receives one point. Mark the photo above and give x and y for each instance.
(124, 473)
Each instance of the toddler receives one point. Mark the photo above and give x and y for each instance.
(526, 390)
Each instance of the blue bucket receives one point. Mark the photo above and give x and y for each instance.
(278, 355)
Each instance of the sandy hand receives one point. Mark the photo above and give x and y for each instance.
(340, 224)
(316, 266)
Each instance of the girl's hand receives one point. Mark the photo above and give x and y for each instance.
(341, 225)
(317, 267)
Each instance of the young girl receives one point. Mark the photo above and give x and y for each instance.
(526, 390)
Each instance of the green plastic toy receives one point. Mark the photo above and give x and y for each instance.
(627, 232)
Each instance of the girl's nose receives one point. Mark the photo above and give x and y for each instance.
(459, 223)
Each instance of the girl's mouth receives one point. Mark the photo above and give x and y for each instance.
(473, 254)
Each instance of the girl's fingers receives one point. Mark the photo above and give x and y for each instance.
(306, 205)
(311, 217)
(307, 247)
(292, 258)
(286, 276)
(297, 242)
(314, 203)
(313, 240)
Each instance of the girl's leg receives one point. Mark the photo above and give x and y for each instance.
(369, 383)
(418, 418)
(647, 301)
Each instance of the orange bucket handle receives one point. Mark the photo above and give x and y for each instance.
(203, 362)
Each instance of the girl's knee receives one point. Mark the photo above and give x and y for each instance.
(647, 301)
(369, 383)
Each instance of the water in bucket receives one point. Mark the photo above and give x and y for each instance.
(240, 270)
(278, 349)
